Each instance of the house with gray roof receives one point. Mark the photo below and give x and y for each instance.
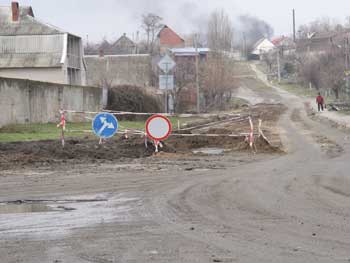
(123, 46)
(32, 49)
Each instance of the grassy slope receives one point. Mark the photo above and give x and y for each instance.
(35, 132)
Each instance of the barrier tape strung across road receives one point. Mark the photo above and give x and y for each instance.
(204, 115)
(208, 125)
(249, 137)
(135, 132)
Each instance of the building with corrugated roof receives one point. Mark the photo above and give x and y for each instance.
(32, 49)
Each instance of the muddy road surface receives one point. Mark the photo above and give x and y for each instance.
(185, 207)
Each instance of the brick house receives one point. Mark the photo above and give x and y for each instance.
(168, 39)
(185, 75)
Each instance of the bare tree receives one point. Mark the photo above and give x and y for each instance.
(270, 59)
(185, 75)
(333, 72)
(321, 25)
(325, 71)
(347, 22)
(220, 31)
(151, 24)
(309, 71)
(217, 81)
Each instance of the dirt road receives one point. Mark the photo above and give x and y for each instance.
(234, 207)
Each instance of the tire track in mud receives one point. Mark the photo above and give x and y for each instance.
(330, 147)
(300, 209)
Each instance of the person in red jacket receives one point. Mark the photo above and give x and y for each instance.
(320, 102)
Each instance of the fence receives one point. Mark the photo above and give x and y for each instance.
(25, 101)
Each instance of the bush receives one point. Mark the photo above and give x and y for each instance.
(289, 68)
(132, 99)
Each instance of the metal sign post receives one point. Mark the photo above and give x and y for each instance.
(158, 128)
(166, 82)
(166, 88)
(166, 64)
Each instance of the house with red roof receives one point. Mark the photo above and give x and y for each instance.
(169, 39)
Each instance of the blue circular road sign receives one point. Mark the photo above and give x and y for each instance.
(105, 125)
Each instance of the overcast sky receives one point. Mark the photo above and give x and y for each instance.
(111, 18)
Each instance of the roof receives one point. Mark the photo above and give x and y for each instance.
(323, 41)
(27, 24)
(260, 41)
(116, 56)
(188, 51)
(124, 40)
(6, 12)
(29, 42)
(278, 40)
(169, 37)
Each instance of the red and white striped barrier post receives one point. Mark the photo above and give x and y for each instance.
(251, 134)
(62, 124)
(146, 141)
(126, 135)
(156, 144)
(259, 128)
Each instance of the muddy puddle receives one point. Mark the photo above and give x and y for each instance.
(58, 217)
(25, 208)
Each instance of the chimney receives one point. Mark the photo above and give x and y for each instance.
(15, 11)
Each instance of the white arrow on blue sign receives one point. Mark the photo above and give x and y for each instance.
(105, 125)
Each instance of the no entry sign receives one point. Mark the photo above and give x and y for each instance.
(158, 127)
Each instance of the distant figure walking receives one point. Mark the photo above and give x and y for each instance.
(320, 102)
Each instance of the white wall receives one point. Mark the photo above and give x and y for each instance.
(263, 47)
(53, 75)
(23, 101)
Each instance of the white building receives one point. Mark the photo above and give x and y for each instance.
(263, 46)
(32, 49)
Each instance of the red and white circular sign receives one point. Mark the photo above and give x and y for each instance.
(158, 127)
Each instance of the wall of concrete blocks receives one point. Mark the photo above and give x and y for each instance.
(25, 101)
(119, 70)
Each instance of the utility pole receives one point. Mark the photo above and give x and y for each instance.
(197, 73)
(278, 66)
(166, 90)
(347, 64)
(294, 36)
(244, 46)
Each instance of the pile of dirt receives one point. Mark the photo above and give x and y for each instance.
(75, 150)
(48, 153)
